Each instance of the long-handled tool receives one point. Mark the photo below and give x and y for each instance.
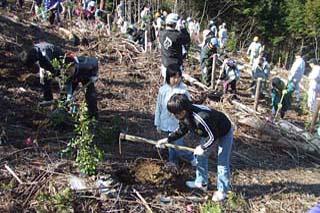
(284, 92)
(213, 70)
(138, 139)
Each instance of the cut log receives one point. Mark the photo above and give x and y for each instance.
(194, 81)
(244, 108)
(284, 134)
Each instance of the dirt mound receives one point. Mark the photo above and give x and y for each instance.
(150, 171)
(145, 171)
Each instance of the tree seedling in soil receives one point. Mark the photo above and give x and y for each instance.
(88, 155)
(233, 203)
(59, 202)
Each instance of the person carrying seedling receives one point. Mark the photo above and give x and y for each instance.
(230, 75)
(280, 97)
(254, 49)
(211, 125)
(171, 42)
(207, 52)
(164, 121)
(41, 55)
(84, 70)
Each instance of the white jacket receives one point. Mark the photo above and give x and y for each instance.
(254, 49)
(314, 79)
(297, 70)
(165, 120)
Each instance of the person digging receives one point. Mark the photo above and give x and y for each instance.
(280, 97)
(212, 126)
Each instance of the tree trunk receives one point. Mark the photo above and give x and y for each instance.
(138, 10)
(175, 6)
(316, 47)
(102, 4)
(283, 134)
(203, 11)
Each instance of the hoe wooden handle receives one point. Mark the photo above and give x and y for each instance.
(138, 139)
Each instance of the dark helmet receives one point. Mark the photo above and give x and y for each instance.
(277, 83)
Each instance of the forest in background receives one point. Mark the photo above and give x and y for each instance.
(269, 172)
(284, 26)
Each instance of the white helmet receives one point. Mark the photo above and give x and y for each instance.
(92, 4)
(172, 18)
(214, 42)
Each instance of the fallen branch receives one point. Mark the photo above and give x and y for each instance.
(244, 108)
(13, 174)
(194, 81)
(144, 202)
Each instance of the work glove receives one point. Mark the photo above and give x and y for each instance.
(161, 143)
(284, 92)
(93, 79)
(205, 70)
(42, 74)
(198, 150)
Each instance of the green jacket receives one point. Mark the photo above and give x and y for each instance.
(206, 53)
(278, 91)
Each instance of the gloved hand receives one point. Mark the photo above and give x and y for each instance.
(42, 74)
(198, 150)
(161, 142)
(205, 70)
(284, 91)
(93, 79)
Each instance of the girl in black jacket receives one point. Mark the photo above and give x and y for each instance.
(211, 125)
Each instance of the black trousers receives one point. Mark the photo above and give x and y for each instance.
(90, 96)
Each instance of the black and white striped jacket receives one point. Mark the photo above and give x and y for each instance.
(205, 122)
